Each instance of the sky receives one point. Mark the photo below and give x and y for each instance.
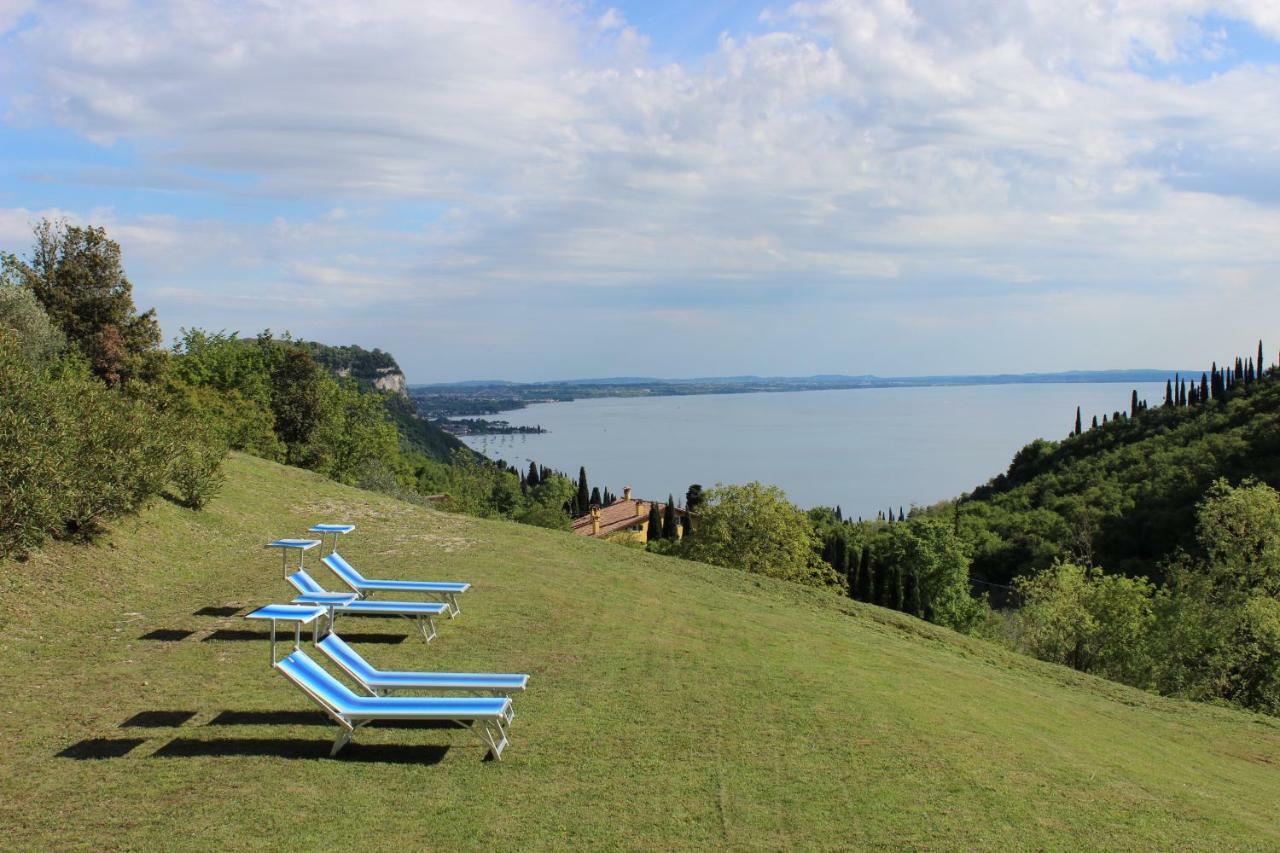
(559, 189)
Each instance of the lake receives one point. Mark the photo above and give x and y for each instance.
(865, 449)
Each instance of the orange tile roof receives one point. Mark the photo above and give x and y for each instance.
(617, 516)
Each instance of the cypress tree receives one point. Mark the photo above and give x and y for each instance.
(839, 514)
(1133, 403)
(864, 574)
(532, 479)
(1095, 422)
(901, 515)
(655, 523)
(1249, 374)
(1204, 387)
(1168, 392)
(911, 593)
(1104, 418)
(884, 580)
(1078, 424)
(1239, 370)
(851, 578)
(1262, 364)
(669, 519)
(895, 588)
(1182, 393)
(595, 496)
(584, 493)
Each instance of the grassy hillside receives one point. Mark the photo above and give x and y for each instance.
(1123, 493)
(671, 705)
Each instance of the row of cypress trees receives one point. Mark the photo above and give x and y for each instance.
(1217, 383)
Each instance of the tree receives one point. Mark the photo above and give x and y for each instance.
(755, 528)
(595, 497)
(1088, 620)
(1262, 363)
(928, 550)
(865, 581)
(1168, 392)
(1079, 426)
(1133, 403)
(38, 340)
(655, 523)
(694, 498)
(531, 479)
(77, 276)
(669, 530)
(584, 493)
(298, 403)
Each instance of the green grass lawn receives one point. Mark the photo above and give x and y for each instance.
(670, 705)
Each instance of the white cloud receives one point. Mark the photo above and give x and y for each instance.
(934, 150)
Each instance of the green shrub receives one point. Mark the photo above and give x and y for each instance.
(33, 502)
(73, 452)
(196, 474)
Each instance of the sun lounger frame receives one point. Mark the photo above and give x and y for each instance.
(492, 730)
(366, 587)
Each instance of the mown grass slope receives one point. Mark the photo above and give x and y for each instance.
(671, 705)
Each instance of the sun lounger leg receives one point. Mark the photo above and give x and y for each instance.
(344, 737)
(454, 610)
(496, 745)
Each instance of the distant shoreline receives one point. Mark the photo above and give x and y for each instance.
(489, 397)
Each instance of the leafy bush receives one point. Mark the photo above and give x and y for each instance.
(74, 452)
(1089, 621)
(196, 473)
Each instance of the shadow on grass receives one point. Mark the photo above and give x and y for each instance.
(101, 747)
(166, 635)
(237, 635)
(300, 748)
(217, 611)
(315, 718)
(157, 719)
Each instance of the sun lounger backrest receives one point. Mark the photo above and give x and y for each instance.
(320, 685)
(347, 658)
(344, 570)
(304, 583)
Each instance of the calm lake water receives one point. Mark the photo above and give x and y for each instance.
(865, 449)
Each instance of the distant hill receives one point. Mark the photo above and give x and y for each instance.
(671, 705)
(1123, 495)
(482, 397)
(834, 380)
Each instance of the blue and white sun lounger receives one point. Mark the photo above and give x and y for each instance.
(487, 715)
(424, 612)
(364, 587)
(380, 683)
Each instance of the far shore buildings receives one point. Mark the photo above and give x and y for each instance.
(626, 517)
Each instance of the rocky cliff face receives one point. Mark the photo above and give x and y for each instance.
(390, 379)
